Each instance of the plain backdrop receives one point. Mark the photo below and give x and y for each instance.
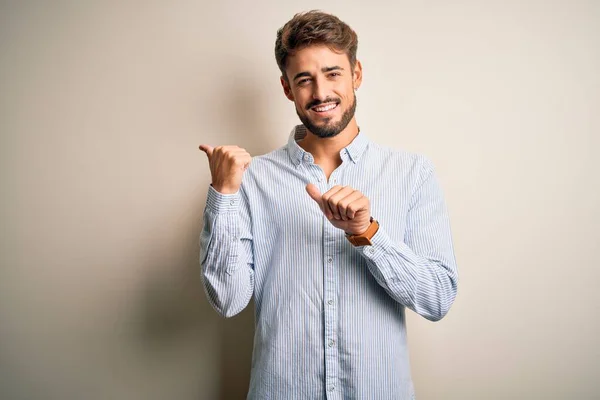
(103, 106)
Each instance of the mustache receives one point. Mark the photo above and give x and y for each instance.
(318, 102)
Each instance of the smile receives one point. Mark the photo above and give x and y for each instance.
(324, 108)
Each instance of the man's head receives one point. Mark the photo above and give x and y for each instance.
(316, 53)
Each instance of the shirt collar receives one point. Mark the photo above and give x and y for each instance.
(297, 154)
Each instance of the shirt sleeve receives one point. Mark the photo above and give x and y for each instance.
(420, 273)
(226, 256)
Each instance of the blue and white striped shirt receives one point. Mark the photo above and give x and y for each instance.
(330, 317)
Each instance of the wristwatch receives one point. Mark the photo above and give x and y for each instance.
(364, 239)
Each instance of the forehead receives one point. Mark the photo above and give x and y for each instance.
(314, 58)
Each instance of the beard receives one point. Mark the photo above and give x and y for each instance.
(329, 129)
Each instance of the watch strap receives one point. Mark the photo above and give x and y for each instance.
(364, 239)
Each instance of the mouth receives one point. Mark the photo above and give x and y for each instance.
(325, 109)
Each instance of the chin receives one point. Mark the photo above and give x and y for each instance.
(325, 131)
(328, 127)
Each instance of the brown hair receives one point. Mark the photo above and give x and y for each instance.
(314, 28)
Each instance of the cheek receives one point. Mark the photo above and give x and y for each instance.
(300, 107)
(349, 93)
(301, 101)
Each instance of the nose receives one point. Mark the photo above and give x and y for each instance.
(319, 90)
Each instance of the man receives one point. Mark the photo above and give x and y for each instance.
(333, 234)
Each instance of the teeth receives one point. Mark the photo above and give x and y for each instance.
(326, 108)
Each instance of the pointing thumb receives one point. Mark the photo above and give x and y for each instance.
(314, 192)
(207, 149)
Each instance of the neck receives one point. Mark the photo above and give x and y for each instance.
(328, 149)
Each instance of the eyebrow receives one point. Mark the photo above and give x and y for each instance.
(324, 70)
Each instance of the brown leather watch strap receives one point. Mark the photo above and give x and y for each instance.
(364, 239)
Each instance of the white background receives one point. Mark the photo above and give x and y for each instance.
(103, 106)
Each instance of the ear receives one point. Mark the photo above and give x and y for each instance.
(286, 89)
(357, 75)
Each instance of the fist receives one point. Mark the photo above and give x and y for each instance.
(344, 207)
(227, 165)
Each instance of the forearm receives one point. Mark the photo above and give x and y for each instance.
(225, 255)
(426, 285)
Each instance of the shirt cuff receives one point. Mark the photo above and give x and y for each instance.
(222, 203)
(381, 242)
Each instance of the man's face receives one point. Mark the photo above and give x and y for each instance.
(321, 85)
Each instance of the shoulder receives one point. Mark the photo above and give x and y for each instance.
(413, 163)
(265, 167)
(268, 160)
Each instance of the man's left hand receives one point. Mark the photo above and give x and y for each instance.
(344, 207)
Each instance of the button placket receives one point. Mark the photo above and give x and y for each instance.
(318, 176)
(330, 312)
(331, 286)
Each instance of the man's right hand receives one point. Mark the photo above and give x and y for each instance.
(227, 165)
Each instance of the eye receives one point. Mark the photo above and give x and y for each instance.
(303, 81)
(334, 74)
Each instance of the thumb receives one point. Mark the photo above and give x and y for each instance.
(314, 192)
(207, 149)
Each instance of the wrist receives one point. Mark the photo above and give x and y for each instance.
(363, 229)
(364, 238)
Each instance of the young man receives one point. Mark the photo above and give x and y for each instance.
(333, 234)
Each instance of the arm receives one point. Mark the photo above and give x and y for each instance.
(420, 273)
(226, 252)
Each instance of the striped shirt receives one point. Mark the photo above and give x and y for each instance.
(330, 317)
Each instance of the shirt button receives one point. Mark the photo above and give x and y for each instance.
(331, 343)
(330, 302)
(306, 157)
(331, 388)
(329, 260)
(232, 202)
(371, 250)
